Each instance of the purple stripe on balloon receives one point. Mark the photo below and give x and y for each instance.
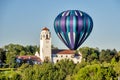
(62, 24)
(71, 31)
(80, 22)
(63, 21)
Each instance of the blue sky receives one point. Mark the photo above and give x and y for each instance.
(22, 20)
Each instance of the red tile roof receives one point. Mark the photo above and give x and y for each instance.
(66, 52)
(45, 28)
(55, 51)
(26, 57)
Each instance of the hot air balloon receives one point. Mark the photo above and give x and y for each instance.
(73, 27)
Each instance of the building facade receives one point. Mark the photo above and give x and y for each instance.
(46, 53)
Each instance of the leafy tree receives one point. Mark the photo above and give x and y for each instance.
(95, 72)
(64, 68)
(89, 54)
(31, 49)
(2, 55)
(27, 74)
(117, 56)
(22, 52)
(106, 55)
(66, 65)
(117, 68)
(79, 66)
(85, 52)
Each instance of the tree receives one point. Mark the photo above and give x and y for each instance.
(66, 65)
(89, 54)
(79, 66)
(117, 68)
(2, 55)
(22, 52)
(31, 49)
(12, 50)
(95, 72)
(85, 52)
(117, 56)
(106, 55)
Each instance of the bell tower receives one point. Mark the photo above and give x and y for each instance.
(45, 45)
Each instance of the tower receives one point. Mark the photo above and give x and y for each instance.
(45, 44)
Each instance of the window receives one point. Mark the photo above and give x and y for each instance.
(47, 36)
(66, 56)
(57, 60)
(61, 55)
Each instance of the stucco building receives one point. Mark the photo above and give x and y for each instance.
(46, 53)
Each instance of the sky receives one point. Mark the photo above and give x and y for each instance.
(21, 21)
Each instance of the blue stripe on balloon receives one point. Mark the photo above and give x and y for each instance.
(55, 26)
(68, 30)
(75, 29)
(58, 27)
(74, 24)
(68, 24)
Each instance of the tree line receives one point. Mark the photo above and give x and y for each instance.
(9, 52)
(96, 65)
(64, 70)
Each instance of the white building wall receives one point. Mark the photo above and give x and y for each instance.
(58, 57)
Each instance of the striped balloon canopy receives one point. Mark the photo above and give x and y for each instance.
(73, 27)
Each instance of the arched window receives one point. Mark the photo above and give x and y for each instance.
(47, 36)
(57, 60)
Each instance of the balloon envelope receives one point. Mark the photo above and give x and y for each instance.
(73, 27)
